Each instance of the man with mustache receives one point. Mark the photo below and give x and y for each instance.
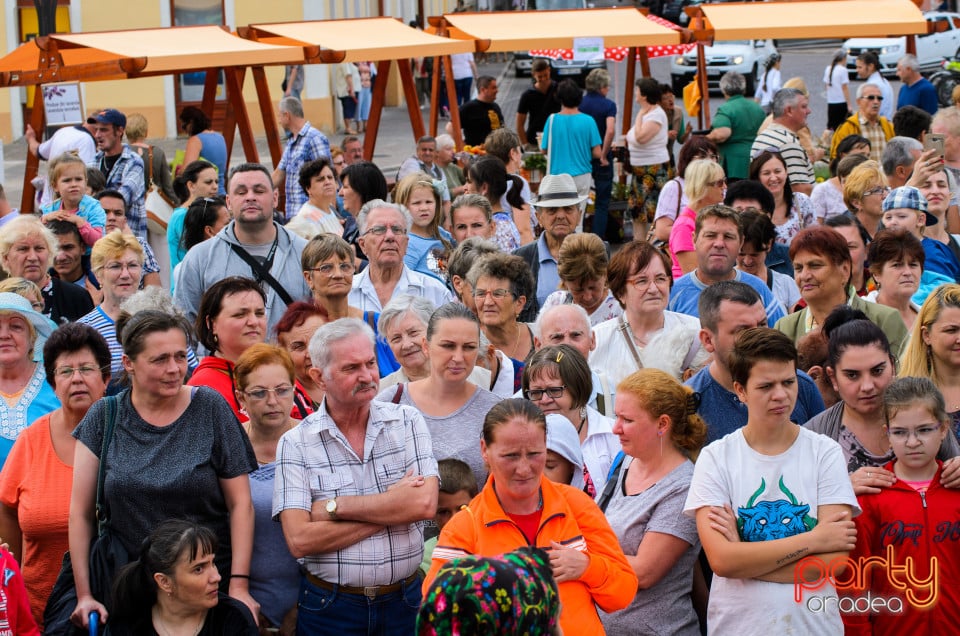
(353, 482)
(251, 245)
(383, 238)
(717, 239)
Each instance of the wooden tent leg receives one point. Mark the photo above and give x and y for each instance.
(703, 119)
(435, 98)
(627, 121)
(267, 113)
(376, 109)
(644, 62)
(452, 100)
(209, 99)
(413, 101)
(33, 162)
(235, 81)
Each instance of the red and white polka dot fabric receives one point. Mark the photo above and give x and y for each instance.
(619, 53)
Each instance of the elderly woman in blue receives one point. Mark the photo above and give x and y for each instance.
(23, 387)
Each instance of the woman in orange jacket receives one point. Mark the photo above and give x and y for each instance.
(518, 507)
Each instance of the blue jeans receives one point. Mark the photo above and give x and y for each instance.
(321, 611)
(603, 184)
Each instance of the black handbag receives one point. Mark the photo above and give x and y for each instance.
(107, 554)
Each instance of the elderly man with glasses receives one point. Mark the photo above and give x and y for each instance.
(383, 238)
(866, 122)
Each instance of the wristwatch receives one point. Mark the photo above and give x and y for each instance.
(332, 508)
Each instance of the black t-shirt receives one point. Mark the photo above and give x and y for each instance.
(537, 107)
(478, 119)
(229, 617)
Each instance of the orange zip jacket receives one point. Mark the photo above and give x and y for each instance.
(570, 518)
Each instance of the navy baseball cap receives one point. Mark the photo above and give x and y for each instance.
(108, 116)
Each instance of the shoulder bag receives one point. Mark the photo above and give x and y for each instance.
(107, 554)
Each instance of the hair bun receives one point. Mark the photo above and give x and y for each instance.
(693, 402)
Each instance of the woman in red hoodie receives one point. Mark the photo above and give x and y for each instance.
(911, 529)
(232, 317)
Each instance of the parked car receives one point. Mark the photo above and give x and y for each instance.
(744, 56)
(522, 60)
(942, 42)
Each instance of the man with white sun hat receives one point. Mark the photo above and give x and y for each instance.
(559, 213)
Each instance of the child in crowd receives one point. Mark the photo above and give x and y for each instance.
(910, 526)
(68, 174)
(458, 487)
(564, 463)
(15, 616)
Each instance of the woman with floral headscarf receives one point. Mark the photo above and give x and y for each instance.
(513, 593)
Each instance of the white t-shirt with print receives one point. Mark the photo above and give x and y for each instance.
(773, 496)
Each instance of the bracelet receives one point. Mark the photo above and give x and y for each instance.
(240, 576)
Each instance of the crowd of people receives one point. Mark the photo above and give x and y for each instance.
(441, 406)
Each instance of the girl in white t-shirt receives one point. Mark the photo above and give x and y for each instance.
(837, 81)
(770, 83)
(768, 499)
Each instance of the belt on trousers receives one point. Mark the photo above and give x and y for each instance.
(370, 591)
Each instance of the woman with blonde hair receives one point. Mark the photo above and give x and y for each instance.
(428, 243)
(155, 166)
(931, 351)
(582, 268)
(117, 262)
(864, 191)
(703, 185)
(661, 435)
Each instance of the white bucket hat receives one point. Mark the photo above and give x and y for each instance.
(558, 191)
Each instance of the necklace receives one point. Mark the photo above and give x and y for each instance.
(516, 343)
(162, 624)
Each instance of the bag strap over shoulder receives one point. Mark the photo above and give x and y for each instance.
(612, 478)
(109, 424)
(624, 329)
(263, 273)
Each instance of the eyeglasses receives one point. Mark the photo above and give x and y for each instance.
(261, 394)
(904, 434)
(116, 268)
(66, 373)
(873, 98)
(498, 294)
(381, 230)
(535, 395)
(719, 183)
(878, 190)
(643, 282)
(327, 269)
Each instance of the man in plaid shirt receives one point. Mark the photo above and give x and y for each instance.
(121, 167)
(353, 484)
(306, 144)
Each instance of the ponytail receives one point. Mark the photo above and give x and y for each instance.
(514, 191)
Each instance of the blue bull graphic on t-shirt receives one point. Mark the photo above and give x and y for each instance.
(768, 520)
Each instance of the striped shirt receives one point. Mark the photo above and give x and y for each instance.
(780, 139)
(315, 462)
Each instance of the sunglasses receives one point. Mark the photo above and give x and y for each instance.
(873, 98)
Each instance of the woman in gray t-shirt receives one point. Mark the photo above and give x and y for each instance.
(660, 432)
(452, 406)
(176, 452)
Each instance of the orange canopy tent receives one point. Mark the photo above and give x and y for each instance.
(380, 39)
(131, 54)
